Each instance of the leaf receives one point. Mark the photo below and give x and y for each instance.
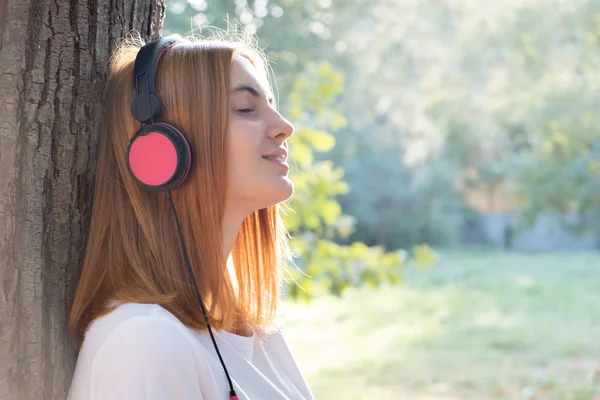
(301, 153)
(320, 140)
(424, 256)
(330, 211)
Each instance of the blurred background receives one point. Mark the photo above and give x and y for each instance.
(446, 221)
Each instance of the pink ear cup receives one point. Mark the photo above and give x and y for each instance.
(153, 159)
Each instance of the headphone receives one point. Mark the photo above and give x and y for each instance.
(159, 156)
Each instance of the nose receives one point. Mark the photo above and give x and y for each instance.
(281, 128)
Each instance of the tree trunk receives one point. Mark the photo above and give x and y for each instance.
(53, 68)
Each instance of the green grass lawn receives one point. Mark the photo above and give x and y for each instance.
(476, 325)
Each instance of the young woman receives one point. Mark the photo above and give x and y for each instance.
(180, 283)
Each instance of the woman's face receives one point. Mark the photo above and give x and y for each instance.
(257, 142)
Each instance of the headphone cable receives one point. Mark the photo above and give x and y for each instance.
(232, 394)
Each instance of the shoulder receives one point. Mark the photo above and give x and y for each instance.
(135, 332)
(135, 329)
(141, 350)
(101, 328)
(143, 339)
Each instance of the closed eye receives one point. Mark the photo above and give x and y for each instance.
(246, 110)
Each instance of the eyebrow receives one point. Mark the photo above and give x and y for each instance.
(253, 91)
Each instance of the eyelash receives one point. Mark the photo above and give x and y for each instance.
(246, 110)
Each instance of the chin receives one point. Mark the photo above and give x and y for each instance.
(260, 194)
(282, 191)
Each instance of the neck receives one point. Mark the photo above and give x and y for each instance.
(232, 221)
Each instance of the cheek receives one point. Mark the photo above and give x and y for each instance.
(244, 140)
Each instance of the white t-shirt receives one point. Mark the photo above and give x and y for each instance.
(143, 352)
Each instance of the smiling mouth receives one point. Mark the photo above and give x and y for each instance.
(280, 159)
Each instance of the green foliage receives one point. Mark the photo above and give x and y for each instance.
(553, 83)
(397, 205)
(331, 268)
(316, 182)
(507, 88)
(316, 219)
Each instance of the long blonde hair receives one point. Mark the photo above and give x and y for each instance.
(133, 253)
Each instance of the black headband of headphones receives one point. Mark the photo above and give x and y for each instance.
(146, 107)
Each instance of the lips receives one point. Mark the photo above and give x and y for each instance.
(275, 158)
(279, 155)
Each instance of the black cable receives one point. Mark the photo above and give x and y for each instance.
(232, 393)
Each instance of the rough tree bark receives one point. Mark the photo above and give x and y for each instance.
(53, 67)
